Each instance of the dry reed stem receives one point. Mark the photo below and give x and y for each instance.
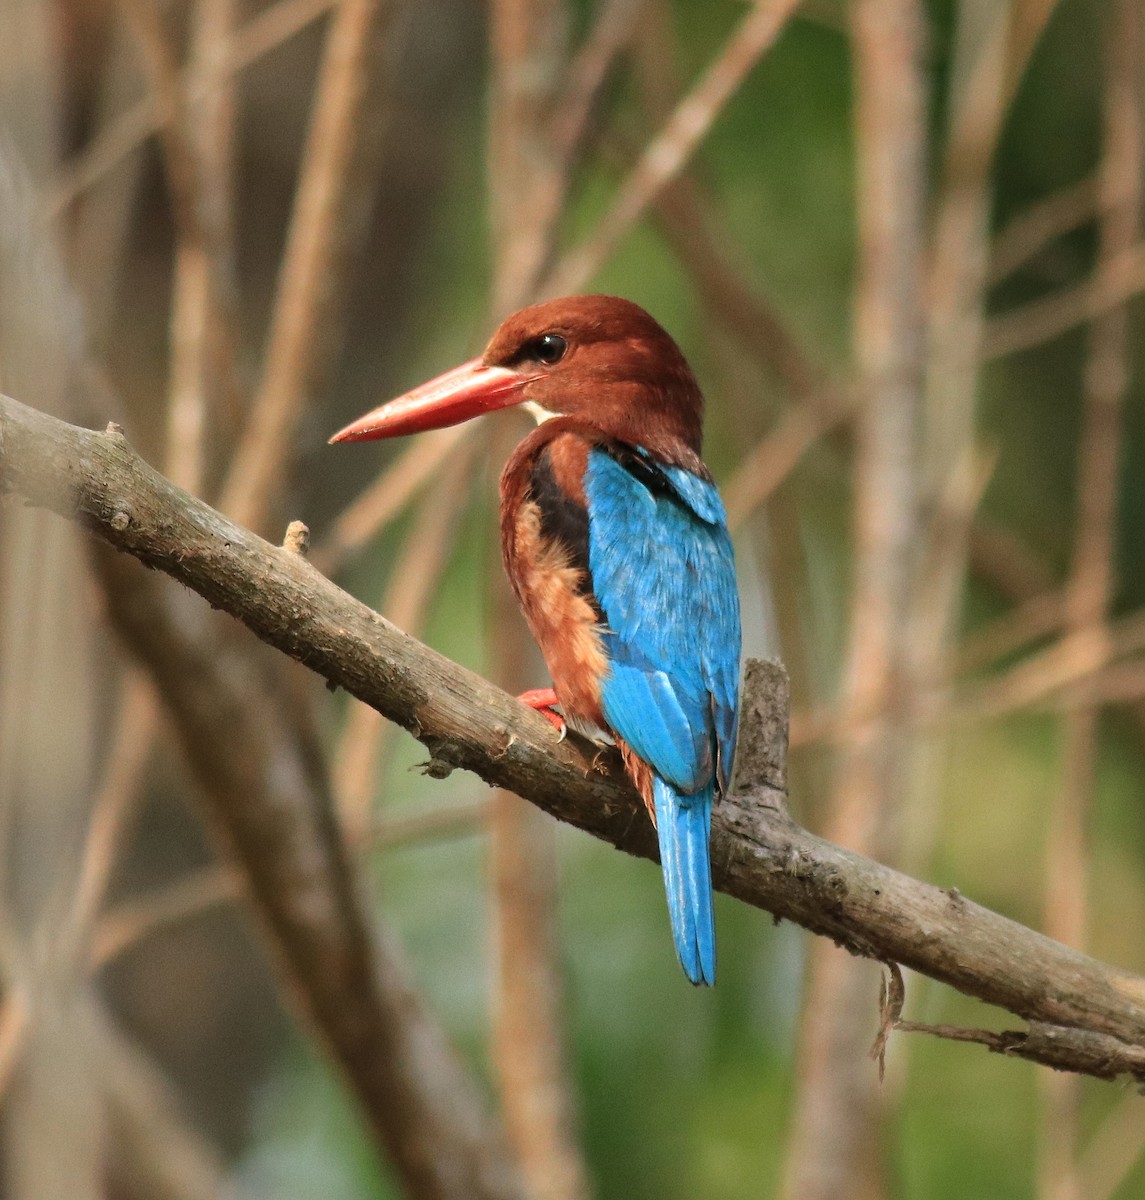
(366, 736)
(835, 1147)
(1090, 590)
(116, 802)
(529, 173)
(1088, 657)
(199, 360)
(131, 128)
(444, 821)
(957, 291)
(671, 148)
(196, 212)
(332, 199)
(15, 1017)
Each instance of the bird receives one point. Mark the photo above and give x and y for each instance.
(615, 541)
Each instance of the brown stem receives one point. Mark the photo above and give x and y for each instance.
(331, 205)
(1091, 585)
(836, 1143)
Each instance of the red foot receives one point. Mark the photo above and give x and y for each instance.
(543, 699)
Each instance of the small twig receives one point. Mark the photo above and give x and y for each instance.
(1053, 1046)
(1028, 234)
(201, 347)
(892, 997)
(1043, 320)
(588, 72)
(1028, 621)
(371, 512)
(132, 921)
(15, 1018)
(116, 801)
(775, 457)
(674, 144)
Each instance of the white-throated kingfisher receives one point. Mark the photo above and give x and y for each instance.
(615, 540)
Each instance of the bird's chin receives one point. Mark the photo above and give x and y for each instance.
(537, 412)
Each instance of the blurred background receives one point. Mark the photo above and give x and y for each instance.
(900, 244)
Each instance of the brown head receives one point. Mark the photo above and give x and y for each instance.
(600, 359)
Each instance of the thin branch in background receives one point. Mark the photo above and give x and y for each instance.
(160, 1151)
(528, 173)
(197, 320)
(1036, 227)
(131, 128)
(116, 802)
(99, 230)
(197, 216)
(1077, 658)
(835, 1147)
(413, 583)
(1085, 659)
(671, 148)
(589, 72)
(993, 44)
(558, 107)
(1042, 320)
(14, 1020)
(381, 501)
(978, 97)
(443, 821)
(332, 201)
(773, 459)
(1092, 580)
(132, 921)
(1028, 621)
(1113, 1150)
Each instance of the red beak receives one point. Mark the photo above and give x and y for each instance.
(467, 391)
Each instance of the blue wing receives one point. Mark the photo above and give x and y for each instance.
(664, 576)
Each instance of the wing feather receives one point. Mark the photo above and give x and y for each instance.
(663, 573)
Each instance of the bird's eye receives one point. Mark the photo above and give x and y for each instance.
(549, 348)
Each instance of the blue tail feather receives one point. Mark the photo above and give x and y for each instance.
(683, 824)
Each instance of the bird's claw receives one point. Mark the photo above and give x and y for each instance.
(541, 700)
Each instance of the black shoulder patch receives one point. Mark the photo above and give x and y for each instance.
(643, 469)
(563, 520)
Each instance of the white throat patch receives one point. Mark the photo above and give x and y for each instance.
(538, 413)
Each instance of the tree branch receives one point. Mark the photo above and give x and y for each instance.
(759, 855)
